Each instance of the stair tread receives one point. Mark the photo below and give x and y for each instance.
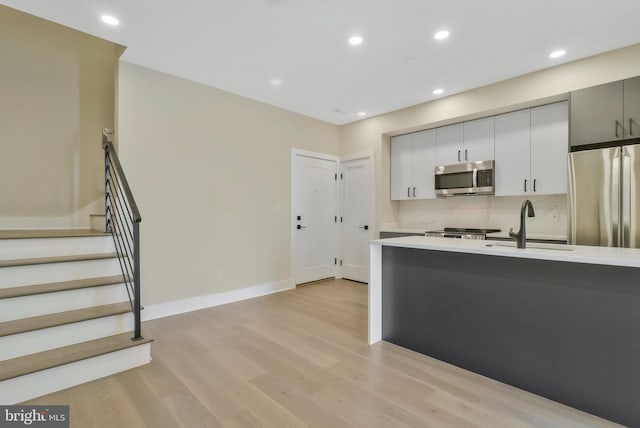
(49, 233)
(61, 318)
(68, 354)
(56, 259)
(52, 287)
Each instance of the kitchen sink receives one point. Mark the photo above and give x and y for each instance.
(555, 247)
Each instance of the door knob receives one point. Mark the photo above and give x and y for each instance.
(365, 227)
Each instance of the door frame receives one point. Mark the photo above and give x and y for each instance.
(299, 152)
(373, 230)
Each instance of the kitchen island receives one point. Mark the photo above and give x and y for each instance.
(560, 321)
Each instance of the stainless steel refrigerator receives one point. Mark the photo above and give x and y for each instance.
(603, 197)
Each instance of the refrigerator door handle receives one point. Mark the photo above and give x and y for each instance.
(626, 200)
(571, 201)
(615, 199)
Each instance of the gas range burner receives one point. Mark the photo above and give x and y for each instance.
(460, 233)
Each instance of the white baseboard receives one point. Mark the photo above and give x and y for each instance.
(176, 307)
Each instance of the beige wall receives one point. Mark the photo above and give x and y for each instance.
(211, 173)
(550, 84)
(57, 93)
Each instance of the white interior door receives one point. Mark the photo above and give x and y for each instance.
(314, 204)
(356, 218)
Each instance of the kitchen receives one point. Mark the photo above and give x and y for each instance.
(221, 224)
(557, 320)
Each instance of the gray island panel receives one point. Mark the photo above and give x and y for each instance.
(566, 331)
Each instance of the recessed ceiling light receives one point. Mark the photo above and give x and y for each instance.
(111, 20)
(362, 114)
(438, 91)
(441, 35)
(355, 40)
(275, 82)
(557, 54)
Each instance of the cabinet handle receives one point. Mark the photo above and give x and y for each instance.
(631, 127)
(534, 184)
(466, 158)
(408, 192)
(525, 185)
(458, 155)
(617, 126)
(414, 192)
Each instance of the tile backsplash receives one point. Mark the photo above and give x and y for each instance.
(486, 212)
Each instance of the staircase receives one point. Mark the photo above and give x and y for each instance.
(65, 315)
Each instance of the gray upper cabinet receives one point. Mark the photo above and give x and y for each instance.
(632, 107)
(596, 114)
(606, 112)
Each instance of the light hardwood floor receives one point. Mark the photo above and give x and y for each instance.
(294, 359)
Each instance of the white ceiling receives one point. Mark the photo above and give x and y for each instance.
(240, 45)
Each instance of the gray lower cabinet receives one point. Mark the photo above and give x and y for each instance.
(566, 331)
(605, 113)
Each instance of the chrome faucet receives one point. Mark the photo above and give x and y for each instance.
(521, 236)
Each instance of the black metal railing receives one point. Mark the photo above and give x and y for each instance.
(123, 222)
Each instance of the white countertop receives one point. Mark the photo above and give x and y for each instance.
(629, 257)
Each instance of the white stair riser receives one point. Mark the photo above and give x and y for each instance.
(12, 249)
(98, 222)
(48, 303)
(16, 276)
(18, 345)
(23, 388)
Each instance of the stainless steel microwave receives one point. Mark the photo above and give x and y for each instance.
(473, 178)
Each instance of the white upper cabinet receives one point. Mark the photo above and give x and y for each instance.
(479, 140)
(401, 167)
(424, 164)
(549, 148)
(450, 144)
(413, 162)
(531, 149)
(512, 145)
(466, 142)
